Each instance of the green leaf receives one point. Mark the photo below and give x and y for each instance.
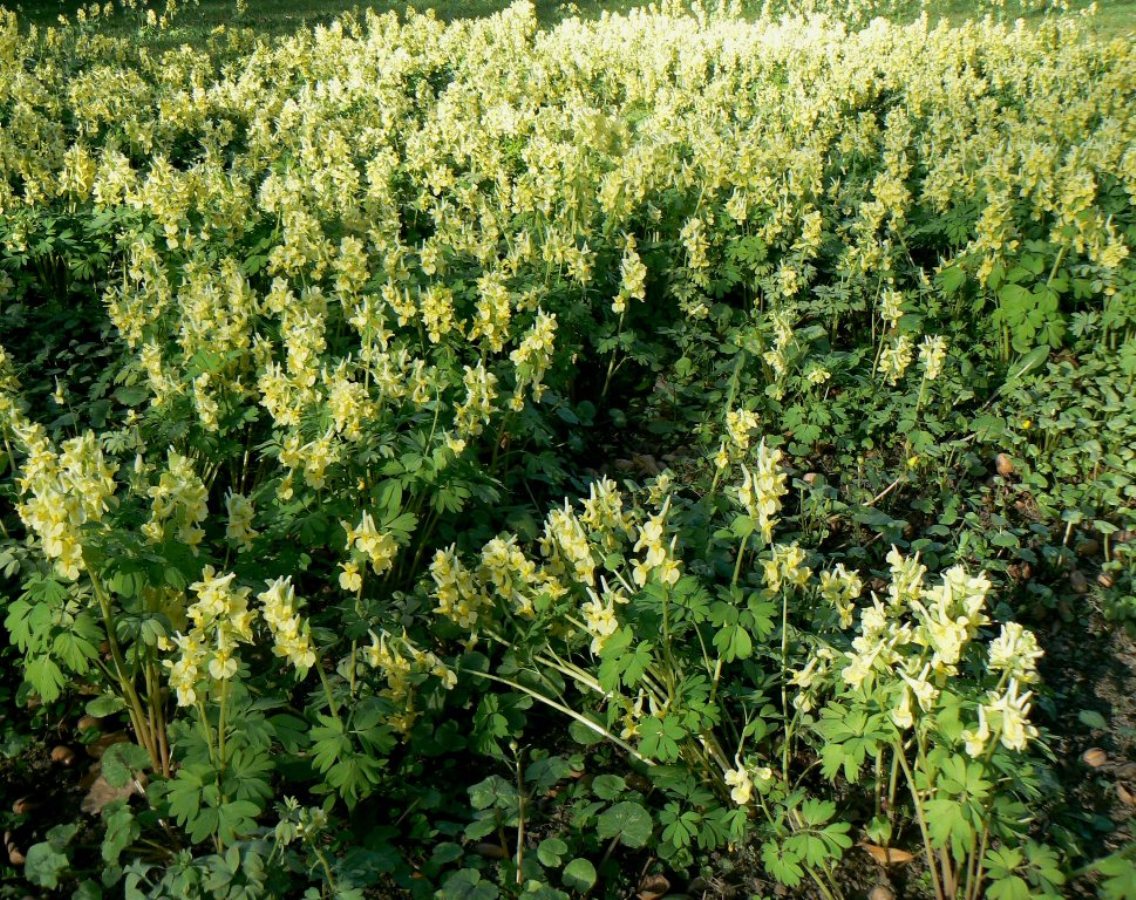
(783, 863)
(46, 677)
(494, 791)
(951, 279)
(131, 395)
(817, 812)
(1013, 887)
(608, 787)
(236, 820)
(628, 821)
(733, 642)
(121, 831)
(582, 734)
(551, 852)
(1092, 719)
(445, 853)
(1030, 361)
(121, 761)
(466, 884)
(106, 705)
(948, 826)
(742, 526)
(46, 862)
(45, 865)
(658, 738)
(579, 875)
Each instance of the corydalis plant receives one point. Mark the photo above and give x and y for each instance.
(923, 694)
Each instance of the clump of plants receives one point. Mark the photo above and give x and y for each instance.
(478, 460)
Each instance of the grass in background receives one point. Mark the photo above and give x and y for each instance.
(1114, 17)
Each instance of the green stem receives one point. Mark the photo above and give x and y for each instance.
(327, 688)
(784, 683)
(221, 706)
(520, 817)
(738, 561)
(614, 353)
(326, 868)
(571, 713)
(125, 682)
(203, 718)
(920, 818)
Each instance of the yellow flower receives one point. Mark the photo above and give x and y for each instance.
(740, 784)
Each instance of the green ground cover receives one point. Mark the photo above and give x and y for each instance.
(517, 455)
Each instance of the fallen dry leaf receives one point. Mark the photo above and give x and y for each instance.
(491, 851)
(86, 723)
(887, 856)
(64, 755)
(652, 887)
(99, 747)
(1094, 757)
(1125, 795)
(103, 794)
(15, 857)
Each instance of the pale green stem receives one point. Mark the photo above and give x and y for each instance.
(785, 747)
(571, 713)
(327, 688)
(928, 850)
(738, 561)
(126, 683)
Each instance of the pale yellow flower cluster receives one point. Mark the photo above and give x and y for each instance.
(895, 358)
(458, 596)
(511, 574)
(566, 546)
(64, 490)
(583, 552)
(942, 619)
(9, 383)
(473, 414)
(741, 782)
(604, 514)
(290, 637)
(403, 664)
(1005, 713)
(599, 616)
(740, 425)
(1016, 652)
(632, 276)
(242, 513)
(776, 357)
(917, 640)
(177, 500)
(786, 568)
(220, 621)
(841, 589)
(658, 556)
(532, 359)
(932, 355)
(762, 488)
(368, 543)
(817, 375)
(891, 307)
